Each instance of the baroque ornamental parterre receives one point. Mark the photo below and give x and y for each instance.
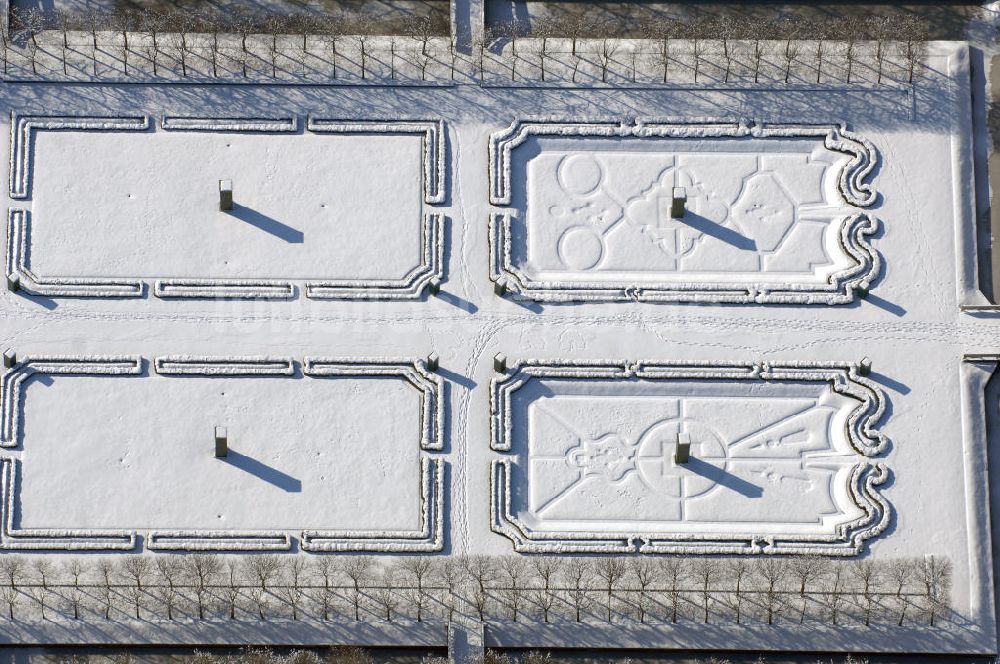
(772, 214)
(783, 458)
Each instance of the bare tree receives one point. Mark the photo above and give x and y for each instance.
(29, 24)
(727, 31)
(849, 30)
(5, 50)
(421, 29)
(478, 48)
(673, 572)
(64, 21)
(606, 56)
(510, 31)
(202, 570)
(214, 26)
(243, 24)
(417, 569)
(792, 47)
(326, 569)
(850, 54)
(261, 598)
(575, 574)
(482, 571)
(358, 570)
(152, 24)
(644, 573)
(385, 592)
(758, 49)
(883, 33)
(705, 572)
(40, 596)
(453, 55)
(123, 21)
(769, 572)
(737, 571)
(821, 46)
(425, 61)
(547, 569)
(935, 576)
(633, 56)
(184, 23)
(867, 573)
(900, 571)
(234, 570)
(332, 28)
(303, 25)
(294, 577)
(392, 58)
(545, 29)
(74, 570)
(43, 569)
(11, 567)
(836, 584)
(572, 27)
(137, 569)
(480, 600)
(263, 568)
(609, 570)
(913, 48)
(662, 31)
(513, 569)
(274, 25)
(576, 28)
(10, 596)
(95, 21)
(362, 42)
(803, 570)
(545, 600)
(106, 571)
(170, 571)
(450, 572)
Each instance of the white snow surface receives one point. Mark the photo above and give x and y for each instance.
(349, 454)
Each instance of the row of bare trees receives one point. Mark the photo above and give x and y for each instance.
(354, 655)
(544, 588)
(183, 43)
(177, 39)
(252, 655)
(732, 43)
(32, 20)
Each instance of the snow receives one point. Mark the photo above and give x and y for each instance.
(768, 218)
(320, 184)
(130, 456)
(778, 459)
(304, 439)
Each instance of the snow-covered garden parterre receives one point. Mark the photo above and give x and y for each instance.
(701, 349)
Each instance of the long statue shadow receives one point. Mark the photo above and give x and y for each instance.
(268, 224)
(719, 232)
(724, 478)
(263, 471)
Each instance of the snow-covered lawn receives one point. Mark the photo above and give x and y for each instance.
(865, 227)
